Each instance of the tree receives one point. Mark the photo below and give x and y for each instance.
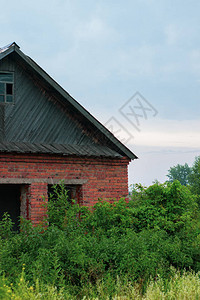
(194, 177)
(180, 173)
(169, 206)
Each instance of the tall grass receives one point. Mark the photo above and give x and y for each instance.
(179, 287)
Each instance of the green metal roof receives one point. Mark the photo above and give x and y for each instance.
(111, 142)
(67, 150)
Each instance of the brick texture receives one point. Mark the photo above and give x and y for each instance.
(106, 178)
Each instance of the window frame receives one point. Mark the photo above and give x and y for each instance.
(6, 84)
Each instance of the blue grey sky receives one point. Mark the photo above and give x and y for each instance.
(103, 52)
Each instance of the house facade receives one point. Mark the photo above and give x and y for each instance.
(46, 136)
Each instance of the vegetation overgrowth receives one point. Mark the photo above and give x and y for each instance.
(121, 249)
(178, 287)
(188, 176)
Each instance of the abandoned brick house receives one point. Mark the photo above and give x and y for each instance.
(47, 136)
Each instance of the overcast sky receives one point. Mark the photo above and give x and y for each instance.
(103, 52)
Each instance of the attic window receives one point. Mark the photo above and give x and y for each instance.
(6, 87)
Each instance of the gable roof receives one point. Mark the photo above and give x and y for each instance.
(114, 144)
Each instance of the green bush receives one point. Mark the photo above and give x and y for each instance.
(168, 206)
(139, 239)
(194, 178)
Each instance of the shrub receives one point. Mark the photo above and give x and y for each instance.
(168, 206)
(157, 229)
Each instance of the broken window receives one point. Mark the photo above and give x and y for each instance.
(73, 192)
(6, 87)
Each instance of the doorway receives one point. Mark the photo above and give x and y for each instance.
(10, 202)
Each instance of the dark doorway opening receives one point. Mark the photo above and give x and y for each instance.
(10, 202)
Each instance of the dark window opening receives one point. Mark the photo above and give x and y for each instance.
(9, 89)
(10, 202)
(73, 192)
(6, 87)
(52, 192)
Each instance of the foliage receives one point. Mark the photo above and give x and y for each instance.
(179, 286)
(6, 226)
(194, 178)
(185, 286)
(180, 173)
(134, 240)
(168, 206)
(57, 205)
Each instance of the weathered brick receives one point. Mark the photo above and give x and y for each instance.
(106, 178)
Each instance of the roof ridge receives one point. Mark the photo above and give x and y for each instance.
(2, 49)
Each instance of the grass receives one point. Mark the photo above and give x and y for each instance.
(185, 286)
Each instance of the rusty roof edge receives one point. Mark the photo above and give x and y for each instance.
(68, 97)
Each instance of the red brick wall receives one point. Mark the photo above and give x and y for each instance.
(106, 178)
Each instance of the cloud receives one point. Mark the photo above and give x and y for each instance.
(164, 133)
(137, 61)
(194, 60)
(169, 133)
(154, 162)
(173, 33)
(94, 29)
